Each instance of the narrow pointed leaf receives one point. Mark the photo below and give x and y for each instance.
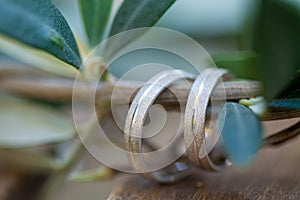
(34, 57)
(135, 14)
(41, 25)
(241, 132)
(95, 14)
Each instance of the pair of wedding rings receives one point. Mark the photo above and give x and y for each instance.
(195, 123)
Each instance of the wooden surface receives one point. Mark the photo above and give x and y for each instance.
(274, 175)
(16, 186)
(8, 184)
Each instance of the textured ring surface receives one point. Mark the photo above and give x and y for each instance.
(135, 122)
(195, 119)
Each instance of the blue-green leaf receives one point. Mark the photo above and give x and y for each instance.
(241, 132)
(139, 13)
(286, 103)
(277, 41)
(95, 14)
(135, 14)
(39, 24)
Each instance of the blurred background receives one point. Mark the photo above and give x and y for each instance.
(219, 26)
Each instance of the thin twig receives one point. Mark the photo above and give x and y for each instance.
(280, 113)
(61, 90)
(283, 136)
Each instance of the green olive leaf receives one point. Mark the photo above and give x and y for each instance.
(135, 14)
(242, 64)
(41, 25)
(277, 42)
(95, 14)
(241, 133)
(25, 124)
(34, 57)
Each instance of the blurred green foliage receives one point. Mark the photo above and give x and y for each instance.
(277, 42)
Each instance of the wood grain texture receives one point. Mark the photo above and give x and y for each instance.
(274, 175)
